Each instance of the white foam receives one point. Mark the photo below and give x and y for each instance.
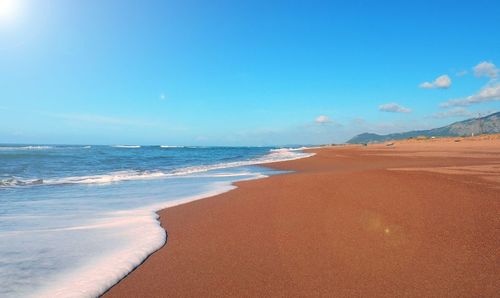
(292, 149)
(33, 148)
(25, 147)
(143, 228)
(12, 182)
(170, 146)
(142, 225)
(127, 146)
(106, 178)
(273, 156)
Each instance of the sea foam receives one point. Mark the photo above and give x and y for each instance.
(25, 147)
(145, 236)
(127, 146)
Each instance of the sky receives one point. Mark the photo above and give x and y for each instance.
(242, 72)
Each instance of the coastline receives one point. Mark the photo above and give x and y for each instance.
(346, 222)
(223, 188)
(97, 230)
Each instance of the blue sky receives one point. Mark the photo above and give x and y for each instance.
(241, 72)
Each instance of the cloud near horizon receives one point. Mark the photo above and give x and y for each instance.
(490, 92)
(486, 69)
(441, 82)
(393, 108)
(322, 119)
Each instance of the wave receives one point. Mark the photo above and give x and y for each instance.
(273, 156)
(29, 148)
(291, 149)
(126, 146)
(10, 182)
(26, 147)
(171, 146)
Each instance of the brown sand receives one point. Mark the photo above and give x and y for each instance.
(416, 219)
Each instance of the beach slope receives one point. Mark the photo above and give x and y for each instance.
(411, 218)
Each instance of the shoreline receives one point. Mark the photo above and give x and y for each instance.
(201, 259)
(97, 242)
(99, 247)
(227, 187)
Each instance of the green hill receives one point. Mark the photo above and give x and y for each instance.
(483, 125)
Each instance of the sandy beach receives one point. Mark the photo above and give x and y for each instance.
(409, 218)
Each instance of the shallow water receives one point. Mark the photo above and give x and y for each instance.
(75, 219)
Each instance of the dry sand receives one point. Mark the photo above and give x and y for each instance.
(416, 218)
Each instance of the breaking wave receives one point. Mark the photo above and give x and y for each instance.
(25, 147)
(127, 146)
(275, 155)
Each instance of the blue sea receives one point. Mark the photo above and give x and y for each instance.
(74, 220)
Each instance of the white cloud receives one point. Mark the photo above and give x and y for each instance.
(441, 82)
(322, 119)
(426, 85)
(486, 69)
(490, 92)
(461, 73)
(393, 108)
(455, 112)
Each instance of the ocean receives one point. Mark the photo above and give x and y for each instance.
(74, 220)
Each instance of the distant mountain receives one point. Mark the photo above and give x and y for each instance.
(484, 125)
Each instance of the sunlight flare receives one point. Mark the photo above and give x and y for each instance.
(9, 9)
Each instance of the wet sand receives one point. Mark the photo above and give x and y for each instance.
(415, 219)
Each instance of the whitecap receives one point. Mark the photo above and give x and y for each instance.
(25, 147)
(127, 146)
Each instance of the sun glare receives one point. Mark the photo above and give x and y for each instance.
(9, 9)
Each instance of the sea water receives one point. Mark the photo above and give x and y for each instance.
(74, 220)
